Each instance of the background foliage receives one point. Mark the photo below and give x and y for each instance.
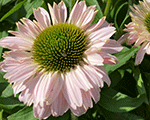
(127, 98)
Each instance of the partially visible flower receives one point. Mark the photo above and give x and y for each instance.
(59, 66)
(139, 29)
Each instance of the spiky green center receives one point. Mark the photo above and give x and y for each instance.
(59, 47)
(147, 22)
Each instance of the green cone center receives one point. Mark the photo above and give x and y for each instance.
(59, 47)
(147, 22)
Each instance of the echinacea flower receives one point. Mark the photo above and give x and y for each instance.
(59, 66)
(139, 29)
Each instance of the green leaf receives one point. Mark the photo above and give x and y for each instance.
(10, 102)
(1, 114)
(3, 2)
(147, 84)
(19, 5)
(24, 114)
(118, 102)
(30, 4)
(119, 116)
(140, 84)
(123, 57)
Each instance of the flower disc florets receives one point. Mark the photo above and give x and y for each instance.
(147, 22)
(59, 47)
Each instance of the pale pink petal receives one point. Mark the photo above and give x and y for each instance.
(95, 59)
(48, 88)
(87, 17)
(8, 65)
(98, 44)
(95, 94)
(94, 27)
(78, 111)
(71, 92)
(40, 89)
(53, 90)
(109, 59)
(18, 87)
(21, 72)
(112, 46)
(42, 112)
(141, 53)
(42, 17)
(132, 38)
(148, 49)
(53, 17)
(15, 43)
(27, 95)
(77, 11)
(25, 32)
(139, 41)
(100, 70)
(34, 28)
(17, 55)
(102, 34)
(60, 12)
(105, 24)
(76, 77)
(92, 76)
(87, 100)
(123, 38)
(59, 106)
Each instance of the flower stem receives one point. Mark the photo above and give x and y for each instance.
(107, 8)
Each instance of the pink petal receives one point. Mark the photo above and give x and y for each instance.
(53, 90)
(87, 17)
(18, 87)
(77, 11)
(25, 32)
(94, 27)
(15, 43)
(71, 92)
(139, 41)
(92, 76)
(78, 111)
(53, 16)
(42, 17)
(77, 78)
(141, 53)
(112, 46)
(109, 59)
(17, 55)
(95, 59)
(21, 72)
(87, 101)
(123, 38)
(59, 106)
(27, 95)
(62, 12)
(148, 49)
(82, 79)
(48, 88)
(100, 70)
(42, 112)
(95, 94)
(35, 29)
(102, 34)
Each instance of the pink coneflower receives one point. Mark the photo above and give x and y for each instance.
(59, 66)
(139, 29)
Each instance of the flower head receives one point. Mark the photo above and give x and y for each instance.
(59, 66)
(139, 29)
